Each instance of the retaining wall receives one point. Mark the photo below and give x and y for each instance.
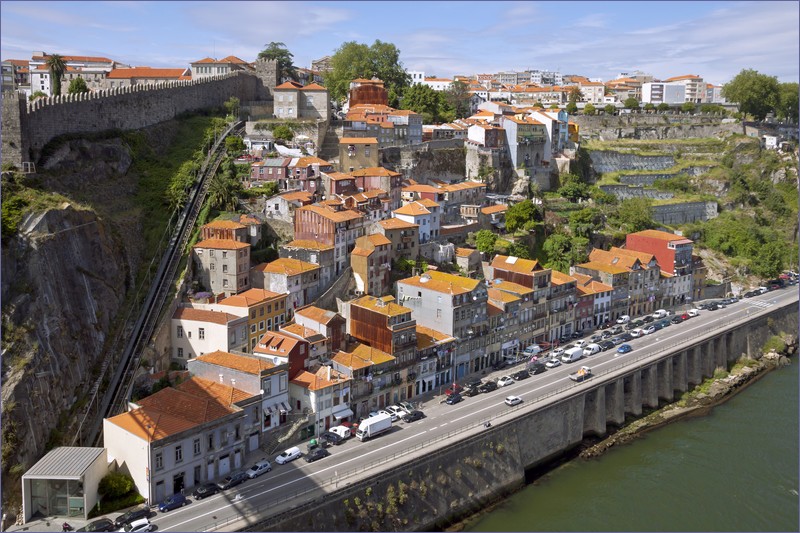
(477, 466)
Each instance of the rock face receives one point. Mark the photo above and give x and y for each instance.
(610, 161)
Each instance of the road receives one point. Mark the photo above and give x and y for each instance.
(297, 482)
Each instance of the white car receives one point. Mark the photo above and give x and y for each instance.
(392, 414)
(288, 455)
(136, 526)
(624, 319)
(396, 409)
(638, 332)
(693, 312)
(552, 363)
(405, 406)
(581, 343)
(513, 400)
(649, 329)
(505, 380)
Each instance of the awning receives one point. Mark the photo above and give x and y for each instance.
(344, 412)
(283, 408)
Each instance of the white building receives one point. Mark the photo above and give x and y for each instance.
(326, 393)
(426, 214)
(438, 84)
(663, 93)
(198, 331)
(417, 76)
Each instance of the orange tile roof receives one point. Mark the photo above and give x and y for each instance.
(303, 196)
(463, 186)
(442, 282)
(603, 267)
(336, 176)
(397, 223)
(413, 209)
(663, 235)
(643, 257)
(361, 252)
(171, 411)
(510, 286)
(685, 77)
(421, 188)
(499, 208)
(289, 85)
(384, 305)
(378, 239)
(307, 334)
(502, 296)
(224, 224)
(334, 216)
(288, 266)
(203, 315)
(374, 171)
(358, 140)
(311, 160)
(559, 278)
(612, 258)
(319, 380)
(275, 343)
(321, 316)
(309, 244)
(427, 202)
(427, 337)
(221, 244)
(244, 363)
(313, 87)
(465, 252)
(145, 72)
(251, 297)
(516, 264)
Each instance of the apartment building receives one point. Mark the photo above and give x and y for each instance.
(295, 278)
(194, 332)
(336, 227)
(222, 265)
(371, 260)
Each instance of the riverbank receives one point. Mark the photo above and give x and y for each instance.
(720, 388)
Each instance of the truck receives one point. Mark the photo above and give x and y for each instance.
(572, 355)
(581, 375)
(373, 426)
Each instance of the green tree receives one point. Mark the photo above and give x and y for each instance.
(571, 108)
(768, 262)
(788, 105)
(519, 249)
(757, 94)
(688, 107)
(78, 85)
(232, 106)
(575, 95)
(427, 102)
(283, 132)
(234, 145)
(601, 197)
(579, 247)
(37, 94)
(485, 240)
(224, 189)
(585, 222)
(635, 215)
(558, 249)
(115, 484)
(609, 109)
(380, 60)
(57, 68)
(589, 109)
(519, 214)
(663, 107)
(278, 52)
(649, 106)
(631, 103)
(457, 98)
(573, 188)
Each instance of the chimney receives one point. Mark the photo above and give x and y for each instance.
(329, 373)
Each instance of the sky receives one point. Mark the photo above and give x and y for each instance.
(715, 40)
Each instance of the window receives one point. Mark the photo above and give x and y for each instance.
(211, 253)
(178, 454)
(159, 461)
(224, 282)
(266, 386)
(261, 326)
(438, 313)
(196, 447)
(211, 266)
(252, 328)
(283, 382)
(224, 268)
(211, 442)
(201, 333)
(180, 353)
(180, 332)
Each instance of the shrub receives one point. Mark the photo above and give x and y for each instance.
(115, 485)
(774, 343)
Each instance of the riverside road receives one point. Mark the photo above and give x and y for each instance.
(292, 484)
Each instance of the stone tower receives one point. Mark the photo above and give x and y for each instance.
(267, 72)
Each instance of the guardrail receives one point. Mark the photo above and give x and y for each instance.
(475, 427)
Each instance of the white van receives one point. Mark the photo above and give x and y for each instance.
(661, 313)
(532, 350)
(624, 319)
(342, 431)
(591, 349)
(693, 312)
(572, 355)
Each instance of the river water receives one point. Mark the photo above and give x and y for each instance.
(735, 469)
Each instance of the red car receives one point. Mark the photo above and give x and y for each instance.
(455, 388)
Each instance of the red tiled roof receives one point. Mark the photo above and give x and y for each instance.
(145, 72)
(203, 315)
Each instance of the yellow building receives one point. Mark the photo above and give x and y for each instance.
(266, 311)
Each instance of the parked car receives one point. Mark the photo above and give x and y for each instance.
(233, 479)
(617, 330)
(391, 414)
(288, 455)
(406, 406)
(693, 312)
(453, 399)
(413, 416)
(661, 313)
(577, 334)
(173, 502)
(624, 348)
(397, 410)
(618, 340)
(134, 514)
(638, 332)
(513, 400)
(624, 319)
(261, 467)
(606, 335)
(331, 437)
(138, 526)
(471, 390)
(532, 350)
(552, 363)
(316, 454)
(205, 490)
(537, 368)
(503, 381)
(581, 343)
(453, 389)
(606, 345)
(649, 329)
(626, 337)
(103, 524)
(595, 338)
(522, 374)
(750, 294)
(489, 386)
(343, 431)
(677, 319)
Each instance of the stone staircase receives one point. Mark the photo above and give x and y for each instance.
(281, 438)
